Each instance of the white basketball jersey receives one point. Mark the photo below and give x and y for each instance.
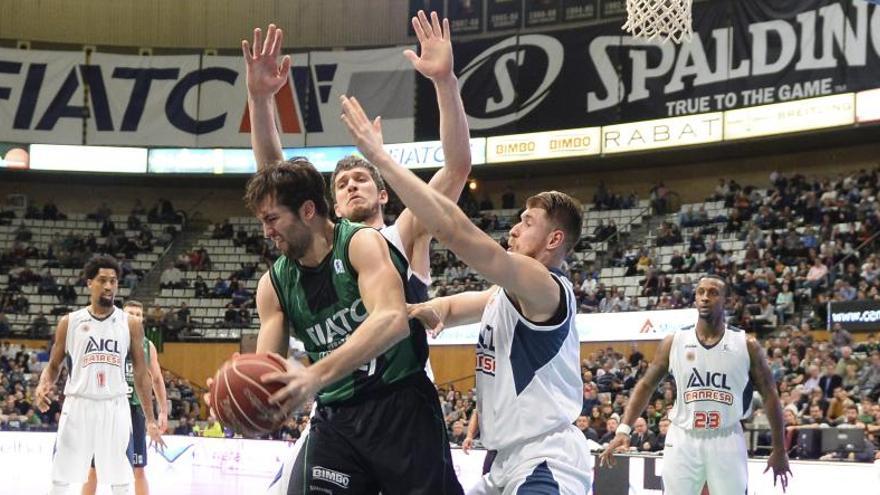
(528, 375)
(96, 352)
(391, 233)
(713, 387)
(418, 285)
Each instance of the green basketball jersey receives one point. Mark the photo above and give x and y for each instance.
(129, 375)
(323, 307)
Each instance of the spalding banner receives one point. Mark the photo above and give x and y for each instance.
(194, 100)
(744, 53)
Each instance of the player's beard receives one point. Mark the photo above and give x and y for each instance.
(709, 315)
(297, 246)
(105, 301)
(363, 213)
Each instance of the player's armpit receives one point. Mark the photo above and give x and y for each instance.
(56, 357)
(657, 370)
(659, 367)
(273, 330)
(759, 369)
(525, 278)
(379, 282)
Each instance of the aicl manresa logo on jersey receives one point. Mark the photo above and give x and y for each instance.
(510, 98)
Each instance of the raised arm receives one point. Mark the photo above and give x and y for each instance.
(436, 63)
(159, 388)
(641, 395)
(526, 278)
(273, 336)
(381, 289)
(762, 377)
(50, 373)
(265, 77)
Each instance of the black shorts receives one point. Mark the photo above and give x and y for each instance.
(394, 444)
(137, 444)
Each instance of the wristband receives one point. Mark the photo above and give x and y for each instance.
(623, 429)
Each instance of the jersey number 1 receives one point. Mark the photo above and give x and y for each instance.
(708, 420)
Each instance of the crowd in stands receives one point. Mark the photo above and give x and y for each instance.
(805, 242)
(20, 369)
(68, 249)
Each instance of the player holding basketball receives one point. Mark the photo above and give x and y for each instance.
(529, 389)
(358, 189)
(714, 366)
(340, 287)
(95, 419)
(137, 445)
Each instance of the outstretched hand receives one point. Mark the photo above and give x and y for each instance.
(467, 445)
(435, 62)
(429, 317)
(367, 134)
(300, 385)
(155, 435)
(620, 443)
(265, 76)
(41, 399)
(778, 461)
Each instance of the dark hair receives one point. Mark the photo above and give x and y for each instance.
(563, 210)
(291, 183)
(719, 278)
(101, 261)
(351, 162)
(133, 303)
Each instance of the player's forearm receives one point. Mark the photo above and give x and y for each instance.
(265, 140)
(461, 309)
(161, 396)
(637, 402)
(439, 215)
(378, 333)
(142, 387)
(441, 306)
(454, 136)
(473, 425)
(49, 375)
(773, 409)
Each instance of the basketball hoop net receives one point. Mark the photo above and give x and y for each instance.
(659, 19)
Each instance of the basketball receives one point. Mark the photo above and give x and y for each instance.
(241, 400)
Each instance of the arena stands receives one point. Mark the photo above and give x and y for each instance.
(788, 246)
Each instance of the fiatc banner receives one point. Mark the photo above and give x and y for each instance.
(152, 100)
(855, 316)
(744, 53)
(194, 101)
(41, 96)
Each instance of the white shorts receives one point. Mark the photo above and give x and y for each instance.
(559, 462)
(93, 428)
(693, 459)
